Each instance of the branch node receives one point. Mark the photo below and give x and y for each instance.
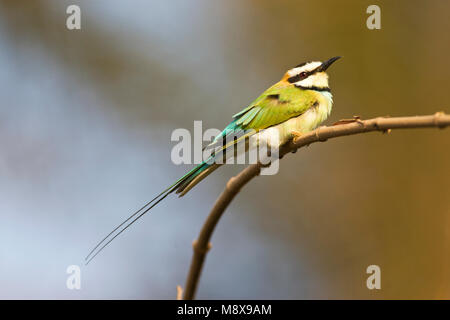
(230, 182)
(199, 249)
(437, 119)
(347, 121)
(319, 138)
(377, 123)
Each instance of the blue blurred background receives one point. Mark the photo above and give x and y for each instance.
(85, 124)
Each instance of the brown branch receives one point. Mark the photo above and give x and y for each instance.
(342, 128)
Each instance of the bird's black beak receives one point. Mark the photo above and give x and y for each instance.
(328, 63)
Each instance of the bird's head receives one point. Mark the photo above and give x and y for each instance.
(310, 75)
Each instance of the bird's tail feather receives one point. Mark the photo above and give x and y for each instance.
(194, 179)
(181, 186)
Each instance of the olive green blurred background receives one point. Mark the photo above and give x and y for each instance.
(85, 124)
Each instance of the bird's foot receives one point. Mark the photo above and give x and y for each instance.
(296, 135)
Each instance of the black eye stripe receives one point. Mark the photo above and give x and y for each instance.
(303, 75)
(300, 76)
(295, 78)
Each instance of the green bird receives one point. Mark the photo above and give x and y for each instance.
(297, 104)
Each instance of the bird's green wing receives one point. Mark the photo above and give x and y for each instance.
(274, 106)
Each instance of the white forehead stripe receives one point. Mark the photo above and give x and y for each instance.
(307, 67)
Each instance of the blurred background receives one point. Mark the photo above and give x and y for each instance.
(85, 124)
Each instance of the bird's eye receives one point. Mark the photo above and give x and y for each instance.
(302, 74)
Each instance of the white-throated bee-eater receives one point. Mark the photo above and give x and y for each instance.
(297, 104)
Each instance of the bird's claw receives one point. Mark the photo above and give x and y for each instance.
(296, 135)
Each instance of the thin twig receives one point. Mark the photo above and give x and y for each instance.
(344, 128)
(179, 293)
